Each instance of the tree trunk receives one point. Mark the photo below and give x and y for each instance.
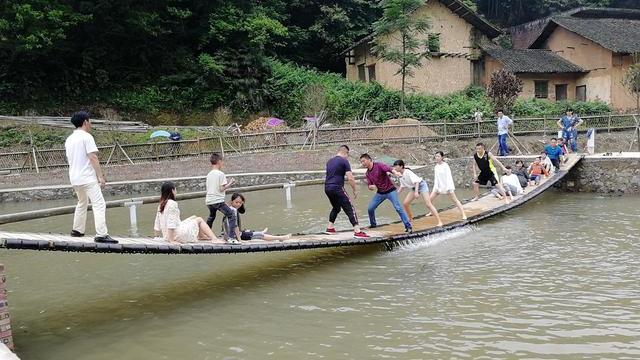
(404, 74)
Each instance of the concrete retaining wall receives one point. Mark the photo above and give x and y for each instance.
(146, 187)
(614, 175)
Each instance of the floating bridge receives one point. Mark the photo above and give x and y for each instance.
(487, 206)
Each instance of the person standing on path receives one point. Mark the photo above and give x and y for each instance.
(443, 183)
(217, 186)
(378, 179)
(484, 160)
(503, 131)
(87, 179)
(569, 123)
(337, 168)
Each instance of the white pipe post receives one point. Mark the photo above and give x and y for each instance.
(133, 216)
(287, 193)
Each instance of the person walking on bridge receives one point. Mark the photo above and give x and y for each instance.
(87, 179)
(337, 168)
(485, 160)
(378, 180)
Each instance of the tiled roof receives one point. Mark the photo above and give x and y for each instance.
(532, 61)
(615, 29)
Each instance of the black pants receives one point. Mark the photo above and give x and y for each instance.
(227, 211)
(556, 163)
(340, 201)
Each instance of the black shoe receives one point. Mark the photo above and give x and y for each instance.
(106, 239)
(408, 230)
(76, 233)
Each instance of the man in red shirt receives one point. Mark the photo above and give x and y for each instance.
(378, 179)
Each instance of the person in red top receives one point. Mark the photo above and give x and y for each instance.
(378, 179)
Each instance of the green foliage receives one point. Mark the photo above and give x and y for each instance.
(503, 89)
(631, 80)
(397, 38)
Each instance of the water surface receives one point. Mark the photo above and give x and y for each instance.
(554, 279)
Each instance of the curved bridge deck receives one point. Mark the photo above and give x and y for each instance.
(485, 207)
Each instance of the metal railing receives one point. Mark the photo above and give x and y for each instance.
(39, 159)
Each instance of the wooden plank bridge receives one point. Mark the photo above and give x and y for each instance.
(485, 207)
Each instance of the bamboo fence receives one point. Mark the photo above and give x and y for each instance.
(36, 159)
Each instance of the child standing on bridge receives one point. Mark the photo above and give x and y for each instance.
(217, 186)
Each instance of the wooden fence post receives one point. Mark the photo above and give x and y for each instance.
(198, 145)
(445, 130)
(478, 121)
(221, 145)
(609, 125)
(544, 126)
(382, 133)
(6, 337)
(35, 160)
(419, 133)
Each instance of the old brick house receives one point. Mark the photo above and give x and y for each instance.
(454, 64)
(577, 55)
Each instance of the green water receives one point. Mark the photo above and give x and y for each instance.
(554, 279)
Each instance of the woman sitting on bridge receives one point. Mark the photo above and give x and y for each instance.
(169, 226)
(237, 204)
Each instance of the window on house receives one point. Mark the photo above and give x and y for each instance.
(581, 93)
(372, 72)
(434, 42)
(561, 92)
(361, 73)
(541, 89)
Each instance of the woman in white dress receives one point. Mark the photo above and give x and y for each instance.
(417, 188)
(169, 226)
(443, 182)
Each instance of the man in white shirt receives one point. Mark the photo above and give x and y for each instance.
(503, 130)
(86, 178)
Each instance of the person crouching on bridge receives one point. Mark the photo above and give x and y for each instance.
(86, 178)
(443, 183)
(337, 168)
(554, 153)
(417, 187)
(237, 204)
(536, 169)
(378, 179)
(485, 160)
(171, 228)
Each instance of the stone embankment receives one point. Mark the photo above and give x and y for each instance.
(613, 173)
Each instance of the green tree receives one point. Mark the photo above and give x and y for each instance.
(399, 38)
(631, 80)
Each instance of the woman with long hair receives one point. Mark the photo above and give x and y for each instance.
(443, 182)
(417, 188)
(237, 204)
(169, 226)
